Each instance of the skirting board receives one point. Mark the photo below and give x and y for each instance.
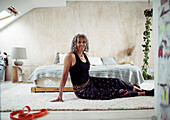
(50, 89)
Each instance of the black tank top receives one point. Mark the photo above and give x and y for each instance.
(79, 72)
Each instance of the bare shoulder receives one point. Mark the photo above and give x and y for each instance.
(71, 55)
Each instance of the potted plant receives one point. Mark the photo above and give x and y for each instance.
(146, 37)
(3, 64)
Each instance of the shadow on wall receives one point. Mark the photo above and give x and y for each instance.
(126, 52)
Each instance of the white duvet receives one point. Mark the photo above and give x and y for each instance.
(125, 72)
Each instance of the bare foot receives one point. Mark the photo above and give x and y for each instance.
(136, 85)
(57, 100)
(137, 89)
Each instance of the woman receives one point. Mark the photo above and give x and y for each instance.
(87, 87)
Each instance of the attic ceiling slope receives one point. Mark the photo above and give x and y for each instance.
(24, 6)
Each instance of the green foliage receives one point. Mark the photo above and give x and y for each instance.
(146, 37)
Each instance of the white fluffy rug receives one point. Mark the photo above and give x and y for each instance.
(17, 97)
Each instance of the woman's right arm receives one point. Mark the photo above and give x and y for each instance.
(67, 65)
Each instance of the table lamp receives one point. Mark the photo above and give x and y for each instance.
(18, 53)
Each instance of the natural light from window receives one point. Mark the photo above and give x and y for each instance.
(7, 16)
(4, 14)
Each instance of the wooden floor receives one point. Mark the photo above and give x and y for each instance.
(94, 115)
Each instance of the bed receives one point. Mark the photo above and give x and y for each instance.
(47, 77)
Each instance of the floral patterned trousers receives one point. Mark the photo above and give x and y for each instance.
(97, 88)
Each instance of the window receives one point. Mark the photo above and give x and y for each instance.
(4, 14)
(7, 16)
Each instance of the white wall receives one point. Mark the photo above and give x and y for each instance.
(156, 4)
(111, 27)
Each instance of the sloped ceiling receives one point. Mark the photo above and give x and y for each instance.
(24, 6)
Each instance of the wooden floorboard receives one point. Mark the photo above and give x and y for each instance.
(94, 115)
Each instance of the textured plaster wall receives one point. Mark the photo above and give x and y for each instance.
(111, 27)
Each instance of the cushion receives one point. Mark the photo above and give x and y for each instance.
(95, 61)
(62, 57)
(57, 59)
(108, 61)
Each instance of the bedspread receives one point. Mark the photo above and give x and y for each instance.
(125, 72)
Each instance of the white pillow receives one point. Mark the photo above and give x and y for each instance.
(57, 58)
(108, 61)
(62, 57)
(95, 61)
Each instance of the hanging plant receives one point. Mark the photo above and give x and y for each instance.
(146, 37)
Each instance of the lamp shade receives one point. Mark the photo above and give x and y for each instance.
(18, 53)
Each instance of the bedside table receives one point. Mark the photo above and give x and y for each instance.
(18, 75)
